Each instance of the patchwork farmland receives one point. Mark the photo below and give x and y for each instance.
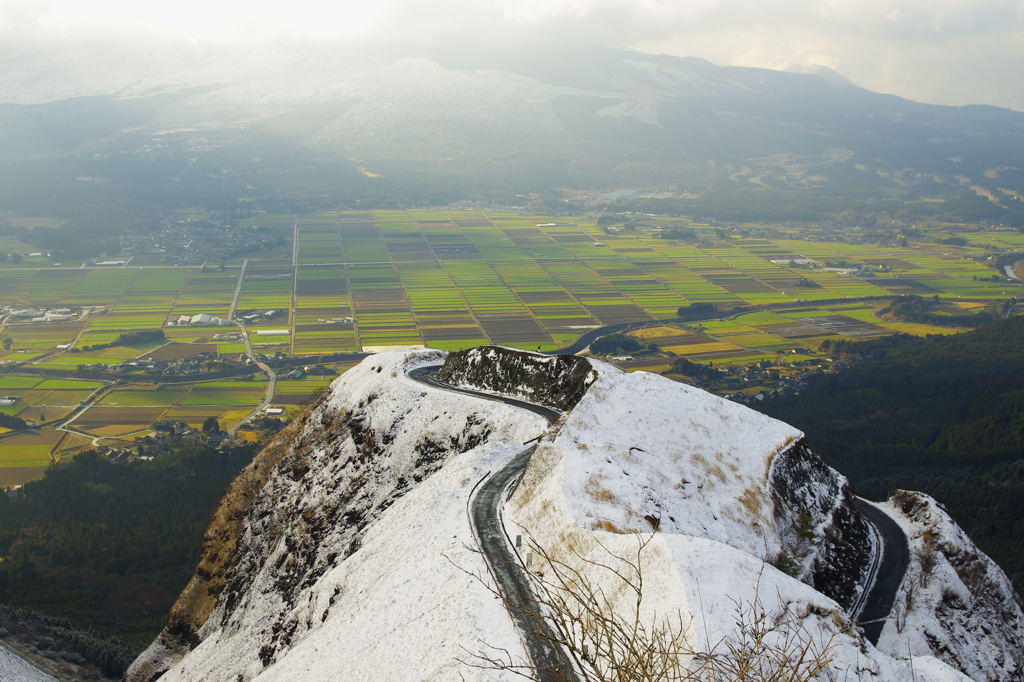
(353, 281)
(349, 282)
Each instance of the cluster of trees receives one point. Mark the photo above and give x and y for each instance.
(686, 234)
(941, 414)
(142, 337)
(110, 656)
(86, 540)
(694, 370)
(912, 308)
(696, 311)
(9, 422)
(622, 343)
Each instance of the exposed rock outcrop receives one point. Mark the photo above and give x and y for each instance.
(558, 381)
(826, 537)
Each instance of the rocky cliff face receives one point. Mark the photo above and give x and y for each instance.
(826, 541)
(558, 381)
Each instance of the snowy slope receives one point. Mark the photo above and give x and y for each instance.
(639, 445)
(955, 601)
(374, 437)
(641, 451)
(400, 608)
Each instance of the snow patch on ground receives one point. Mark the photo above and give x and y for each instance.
(13, 668)
(639, 445)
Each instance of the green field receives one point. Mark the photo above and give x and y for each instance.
(357, 280)
(12, 456)
(453, 279)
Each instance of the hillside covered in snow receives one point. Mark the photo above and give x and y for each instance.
(347, 549)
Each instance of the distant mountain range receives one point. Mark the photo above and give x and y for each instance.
(573, 116)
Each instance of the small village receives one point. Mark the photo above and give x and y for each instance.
(195, 241)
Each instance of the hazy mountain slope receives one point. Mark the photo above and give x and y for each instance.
(577, 109)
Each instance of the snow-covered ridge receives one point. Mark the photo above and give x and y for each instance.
(643, 452)
(349, 555)
(371, 439)
(728, 492)
(558, 381)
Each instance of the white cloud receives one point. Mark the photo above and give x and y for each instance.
(216, 20)
(943, 51)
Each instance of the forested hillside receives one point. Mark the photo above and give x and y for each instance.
(944, 415)
(110, 546)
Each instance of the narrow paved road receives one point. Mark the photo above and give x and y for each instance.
(895, 560)
(514, 582)
(271, 384)
(238, 290)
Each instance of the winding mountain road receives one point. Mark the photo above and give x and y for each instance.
(425, 375)
(889, 574)
(872, 610)
(513, 581)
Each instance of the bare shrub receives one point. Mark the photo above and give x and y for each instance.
(926, 556)
(609, 641)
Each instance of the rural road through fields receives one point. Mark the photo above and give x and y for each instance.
(271, 386)
(514, 582)
(890, 572)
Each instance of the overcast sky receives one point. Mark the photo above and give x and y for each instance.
(939, 51)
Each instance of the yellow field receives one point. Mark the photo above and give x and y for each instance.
(654, 333)
(919, 329)
(712, 346)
